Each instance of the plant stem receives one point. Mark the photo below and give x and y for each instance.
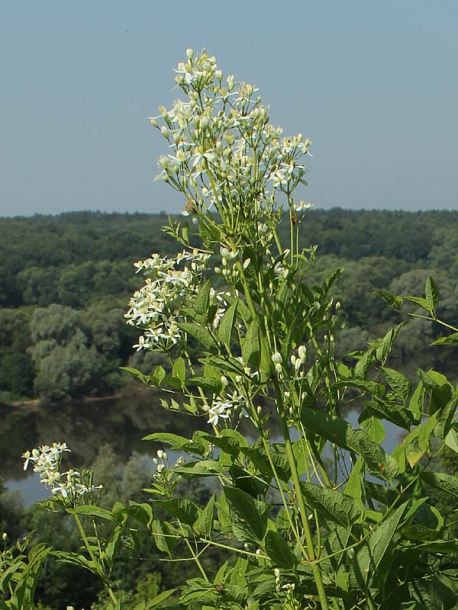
(98, 566)
(302, 508)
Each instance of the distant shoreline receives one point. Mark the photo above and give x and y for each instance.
(33, 404)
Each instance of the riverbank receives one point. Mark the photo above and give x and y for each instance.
(33, 404)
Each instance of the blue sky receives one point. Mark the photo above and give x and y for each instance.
(373, 83)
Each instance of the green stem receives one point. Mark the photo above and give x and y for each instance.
(98, 565)
(195, 556)
(302, 508)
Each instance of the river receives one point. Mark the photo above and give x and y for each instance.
(88, 425)
(85, 426)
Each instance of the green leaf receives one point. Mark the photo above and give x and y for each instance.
(364, 363)
(391, 411)
(251, 345)
(249, 516)
(445, 418)
(330, 279)
(161, 598)
(398, 382)
(226, 324)
(158, 375)
(206, 383)
(230, 365)
(333, 504)
(450, 339)
(439, 546)
(371, 387)
(181, 508)
(425, 524)
(395, 302)
(140, 512)
(385, 345)
(417, 402)
(92, 511)
(179, 369)
(227, 444)
(258, 457)
(279, 551)
(200, 468)
(354, 486)
(340, 432)
(380, 493)
(136, 373)
(202, 299)
(172, 440)
(413, 455)
(451, 440)
(370, 556)
(373, 426)
(164, 536)
(204, 524)
(433, 594)
(445, 482)
(432, 296)
(419, 301)
(79, 560)
(200, 333)
(244, 480)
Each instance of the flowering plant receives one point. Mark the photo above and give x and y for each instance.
(309, 510)
(316, 514)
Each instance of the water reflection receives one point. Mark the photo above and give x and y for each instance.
(85, 426)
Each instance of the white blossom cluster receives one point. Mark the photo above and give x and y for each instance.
(155, 308)
(46, 462)
(225, 153)
(223, 409)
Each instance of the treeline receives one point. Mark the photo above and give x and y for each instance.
(65, 282)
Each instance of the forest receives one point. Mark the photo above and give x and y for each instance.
(65, 286)
(309, 355)
(65, 283)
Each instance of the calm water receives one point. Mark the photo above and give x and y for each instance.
(86, 426)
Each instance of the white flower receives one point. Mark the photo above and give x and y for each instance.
(169, 284)
(302, 206)
(46, 462)
(219, 409)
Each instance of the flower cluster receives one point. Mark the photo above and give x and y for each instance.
(46, 462)
(161, 461)
(226, 155)
(156, 306)
(223, 409)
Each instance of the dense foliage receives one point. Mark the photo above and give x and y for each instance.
(306, 509)
(74, 271)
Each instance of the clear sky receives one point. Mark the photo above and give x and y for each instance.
(373, 83)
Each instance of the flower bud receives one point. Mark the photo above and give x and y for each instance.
(189, 53)
(277, 358)
(302, 353)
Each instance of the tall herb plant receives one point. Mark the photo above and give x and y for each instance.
(306, 509)
(319, 514)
